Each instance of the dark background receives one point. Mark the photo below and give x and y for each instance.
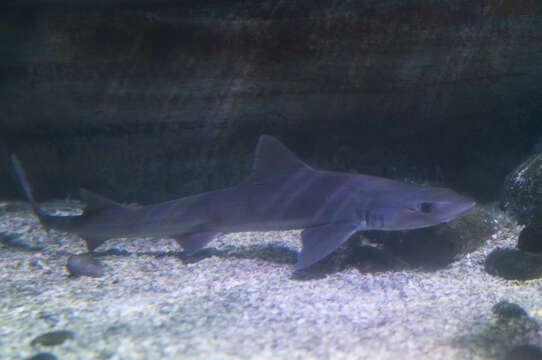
(151, 100)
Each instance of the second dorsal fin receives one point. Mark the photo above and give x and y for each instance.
(272, 157)
(96, 202)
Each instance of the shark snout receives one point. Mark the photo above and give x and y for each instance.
(448, 205)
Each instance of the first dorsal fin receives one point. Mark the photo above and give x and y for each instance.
(272, 157)
(96, 202)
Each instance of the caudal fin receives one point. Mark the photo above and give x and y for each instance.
(26, 187)
(63, 223)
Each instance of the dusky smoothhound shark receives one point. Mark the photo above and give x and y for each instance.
(281, 193)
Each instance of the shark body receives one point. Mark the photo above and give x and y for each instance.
(282, 193)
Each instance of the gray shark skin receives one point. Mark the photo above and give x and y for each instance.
(282, 193)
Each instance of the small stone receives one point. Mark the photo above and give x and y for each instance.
(52, 338)
(514, 264)
(506, 310)
(42, 356)
(86, 265)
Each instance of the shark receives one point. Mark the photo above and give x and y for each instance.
(281, 193)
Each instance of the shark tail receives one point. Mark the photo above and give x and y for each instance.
(27, 189)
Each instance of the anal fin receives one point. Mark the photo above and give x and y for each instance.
(93, 241)
(320, 241)
(192, 242)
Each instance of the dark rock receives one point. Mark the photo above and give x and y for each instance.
(438, 246)
(524, 352)
(506, 310)
(84, 264)
(347, 86)
(514, 264)
(493, 338)
(52, 338)
(368, 259)
(530, 238)
(42, 356)
(523, 190)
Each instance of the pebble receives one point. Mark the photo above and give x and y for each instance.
(506, 310)
(52, 338)
(86, 265)
(42, 356)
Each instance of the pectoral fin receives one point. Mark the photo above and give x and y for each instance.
(192, 242)
(320, 241)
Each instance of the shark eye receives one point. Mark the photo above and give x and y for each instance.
(426, 207)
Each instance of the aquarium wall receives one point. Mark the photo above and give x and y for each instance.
(147, 100)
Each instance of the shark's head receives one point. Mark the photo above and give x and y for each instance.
(422, 207)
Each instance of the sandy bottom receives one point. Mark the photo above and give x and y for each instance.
(238, 300)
